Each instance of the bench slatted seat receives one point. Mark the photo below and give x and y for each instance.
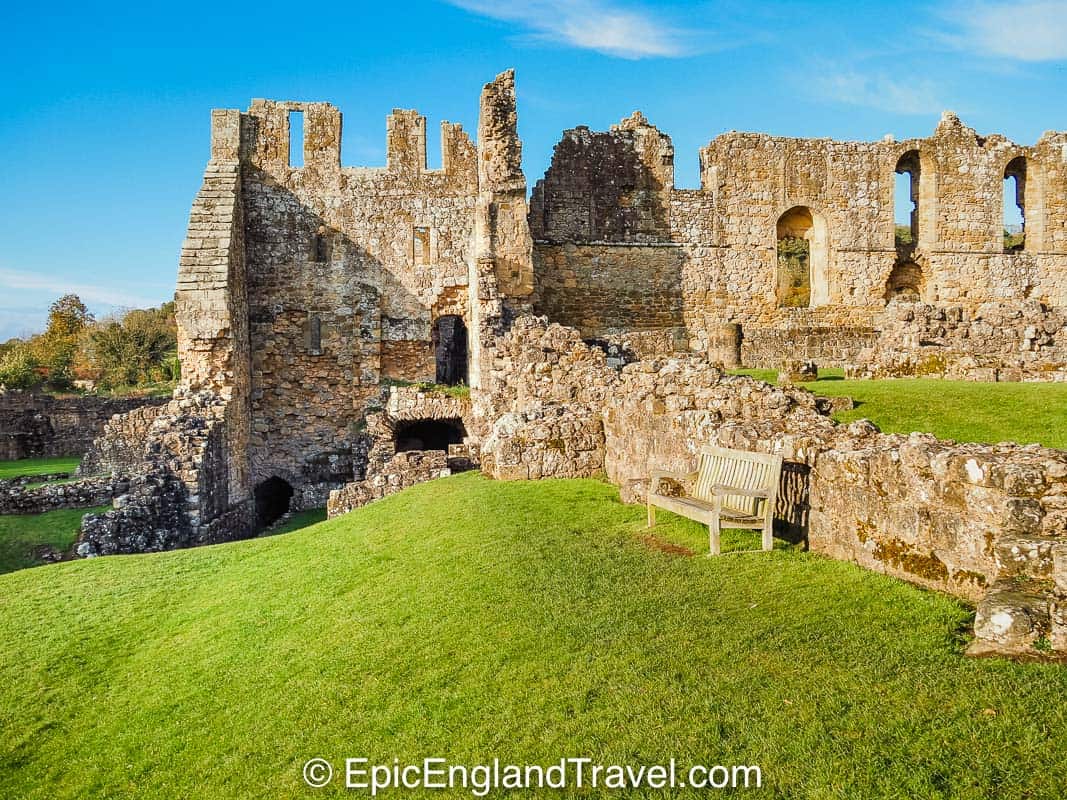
(731, 488)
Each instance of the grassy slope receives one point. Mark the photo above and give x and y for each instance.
(470, 619)
(20, 533)
(961, 410)
(37, 466)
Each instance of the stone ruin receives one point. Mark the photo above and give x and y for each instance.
(324, 310)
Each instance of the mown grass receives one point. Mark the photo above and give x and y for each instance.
(962, 410)
(37, 466)
(529, 621)
(21, 533)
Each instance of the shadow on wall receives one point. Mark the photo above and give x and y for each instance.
(328, 322)
(791, 515)
(429, 434)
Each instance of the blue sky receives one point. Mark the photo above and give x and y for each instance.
(106, 107)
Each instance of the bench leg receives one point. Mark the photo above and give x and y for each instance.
(768, 536)
(651, 515)
(713, 536)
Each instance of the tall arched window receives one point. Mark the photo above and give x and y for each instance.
(802, 273)
(1015, 205)
(906, 200)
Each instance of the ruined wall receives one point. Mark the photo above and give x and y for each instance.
(34, 425)
(607, 205)
(984, 522)
(345, 266)
(120, 447)
(994, 341)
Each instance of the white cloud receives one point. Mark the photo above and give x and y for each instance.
(896, 96)
(1026, 31)
(89, 293)
(600, 25)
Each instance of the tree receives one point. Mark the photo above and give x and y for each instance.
(137, 348)
(57, 347)
(18, 367)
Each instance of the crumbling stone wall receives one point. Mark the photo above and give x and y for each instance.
(606, 208)
(35, 425)
(25, 497)
(994, 341)
(399, 472)
(120, 447)
(980, 521)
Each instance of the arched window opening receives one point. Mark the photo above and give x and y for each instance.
(429, 434)
(272, 498)
(1015, 206)
(450, 350)
(802, 259)
(905, 283)
(906, 200)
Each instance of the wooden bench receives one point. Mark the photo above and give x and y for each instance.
(731, 488)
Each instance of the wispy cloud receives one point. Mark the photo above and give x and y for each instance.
(89, 293)
(604, 26)
(1034, 30)
(879, 91)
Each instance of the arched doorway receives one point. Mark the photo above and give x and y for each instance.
(272, 500)
(429, 434)
(450, 349)
(802, 270)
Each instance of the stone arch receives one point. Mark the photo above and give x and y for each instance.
(803, 254)
(906, 282)
(428, 434)
(273, 498)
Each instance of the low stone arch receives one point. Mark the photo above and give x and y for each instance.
(906, 282)
(802, 265)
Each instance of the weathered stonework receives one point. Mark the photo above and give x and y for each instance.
(22, 496)
(307, 289)
(34, 425)
(992, 342)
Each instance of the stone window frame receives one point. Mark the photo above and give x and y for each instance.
(1023, 187)
(820, 253)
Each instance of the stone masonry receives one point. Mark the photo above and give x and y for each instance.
(595, 323)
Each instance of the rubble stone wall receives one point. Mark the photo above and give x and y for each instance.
(34, 425)
(120, 447)
(399, 472)
(23, 497)
(995, 341)
(608, 190)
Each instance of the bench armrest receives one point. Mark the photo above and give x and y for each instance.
(659, 474)
(720, 491)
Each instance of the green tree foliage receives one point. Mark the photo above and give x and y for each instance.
(138, 348)
(19, 367)
(57, 348)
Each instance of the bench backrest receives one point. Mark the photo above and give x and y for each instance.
(720, 466)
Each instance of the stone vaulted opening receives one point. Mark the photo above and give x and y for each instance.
(450, 349)
(429, 434)
(272, 500)
(802, 259)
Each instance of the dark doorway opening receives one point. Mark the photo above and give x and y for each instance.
(450, 349)
(429, 434)
(272, 501)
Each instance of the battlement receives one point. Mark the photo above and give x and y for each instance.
(264, 135)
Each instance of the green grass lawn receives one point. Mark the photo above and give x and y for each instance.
(962, 410)
(21, 533)
(470, 619)
(37, 466)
